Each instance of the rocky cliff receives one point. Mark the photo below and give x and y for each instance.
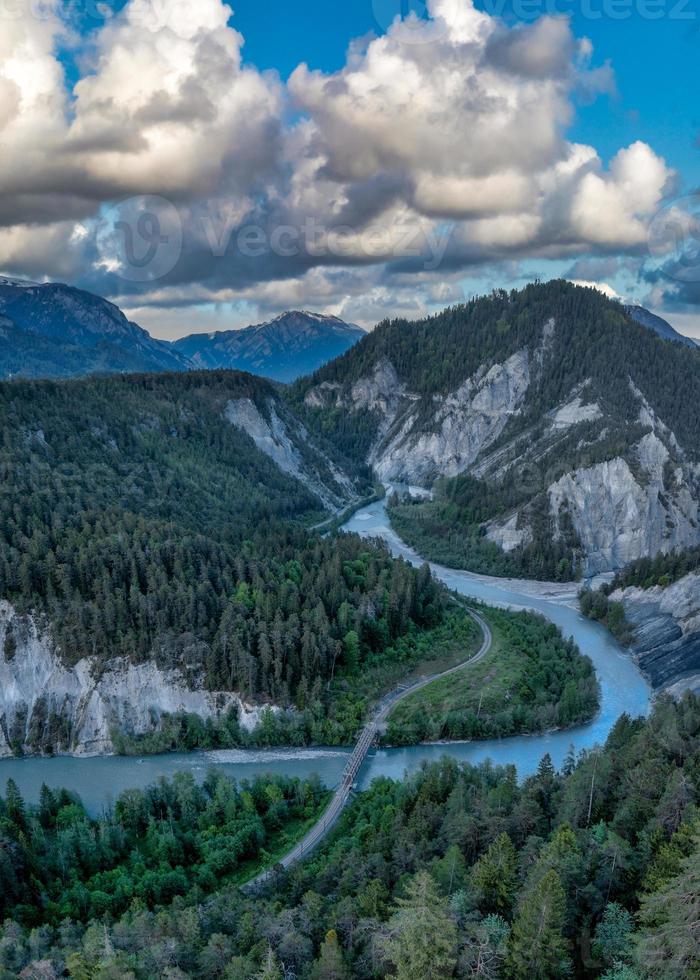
(666, 624)
(47, 706)
(568, 420)
(420, 438)
(622, 508)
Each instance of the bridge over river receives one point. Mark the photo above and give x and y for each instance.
(368, 737)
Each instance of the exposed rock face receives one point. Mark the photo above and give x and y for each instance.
(619, 508)
(667, 630)
(620, 517)
(464, 423)
(45, 704)
(574, 412)
(422, 437)
(509, 535)
(283, 442)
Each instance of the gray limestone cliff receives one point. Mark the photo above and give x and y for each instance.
(48, 706)
(495, 426)
(666, 623)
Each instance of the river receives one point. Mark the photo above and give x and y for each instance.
(99, 780)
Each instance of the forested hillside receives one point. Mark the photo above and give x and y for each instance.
(455, 872)
(141, 523)
(534, 415)
(597, 340)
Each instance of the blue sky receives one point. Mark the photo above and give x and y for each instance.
(592, 148)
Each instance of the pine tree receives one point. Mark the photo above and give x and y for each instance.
(613, 934)
(14, 803)
(271, 969)
(330, 964)
(494, 876)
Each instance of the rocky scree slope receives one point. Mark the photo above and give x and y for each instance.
(547, 421)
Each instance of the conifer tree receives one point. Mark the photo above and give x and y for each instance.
(668, 944)
(538, 947)
(422, 938)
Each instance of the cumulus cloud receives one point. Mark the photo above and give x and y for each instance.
(439, 146)
(164, 107)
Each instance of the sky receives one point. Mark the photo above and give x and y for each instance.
(207, 167)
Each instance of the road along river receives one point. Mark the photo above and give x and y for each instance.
(99, 780)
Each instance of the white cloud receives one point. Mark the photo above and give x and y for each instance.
(613, 209)
(164, 107)
(446, 135)
(602, 287)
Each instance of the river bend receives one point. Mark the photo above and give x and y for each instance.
(623, 688)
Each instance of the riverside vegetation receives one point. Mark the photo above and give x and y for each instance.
(531, 680)
(458, 871)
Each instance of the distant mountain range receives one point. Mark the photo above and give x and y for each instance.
(54, 330)
(284, 349)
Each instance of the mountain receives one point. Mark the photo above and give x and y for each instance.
(559, 436)
(660, 326)
(284, 349)
(54, 330)
(51, 330)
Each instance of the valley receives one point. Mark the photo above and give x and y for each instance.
(175, 577)
(349, 491)
(165, 588)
